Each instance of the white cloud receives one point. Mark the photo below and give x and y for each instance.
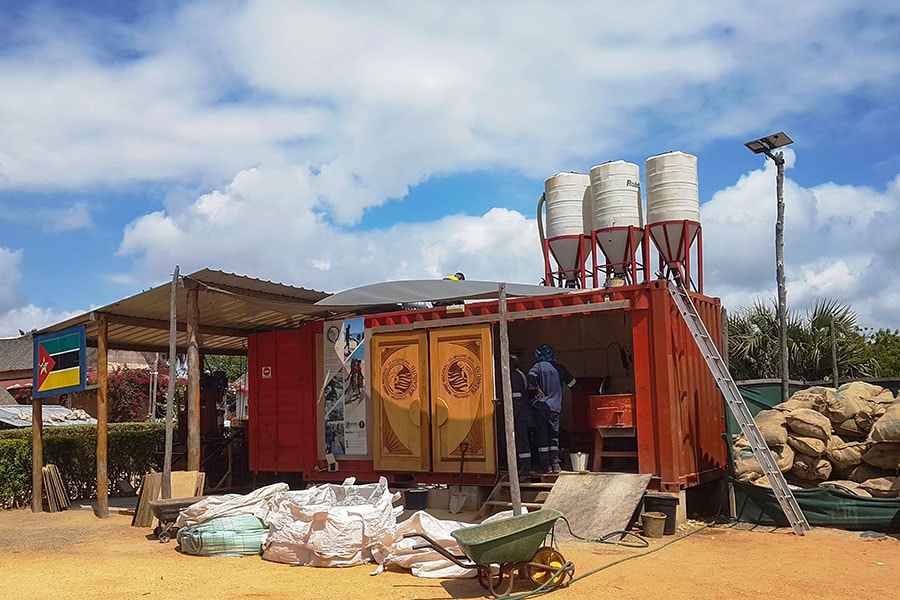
(294, 118)
(49, 218)
(10, 275)
(838, 244)
(252, 226)
(29, 317)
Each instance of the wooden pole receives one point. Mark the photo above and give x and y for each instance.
(834, 361)
(512, 463)
(37, 455)
(779, 276)
(170, 392)
(102, 418)
(193, 399)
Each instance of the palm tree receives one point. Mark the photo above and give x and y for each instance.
(753, 343)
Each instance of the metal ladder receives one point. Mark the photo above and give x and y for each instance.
(735, 402)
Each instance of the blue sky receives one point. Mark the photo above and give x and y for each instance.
(329, 145)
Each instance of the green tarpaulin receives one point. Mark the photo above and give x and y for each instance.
(822, 506)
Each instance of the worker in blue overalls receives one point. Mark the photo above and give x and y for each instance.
(545, 384)
(522, 419)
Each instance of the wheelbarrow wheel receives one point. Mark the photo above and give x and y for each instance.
(544, 565)
(164, 537)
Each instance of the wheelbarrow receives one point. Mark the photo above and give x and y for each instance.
(502, 549)
(167, 512)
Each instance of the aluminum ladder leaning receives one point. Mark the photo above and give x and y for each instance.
(735, 402)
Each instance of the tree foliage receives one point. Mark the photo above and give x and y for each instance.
(883, 346)
(754, 346)
(234, 366)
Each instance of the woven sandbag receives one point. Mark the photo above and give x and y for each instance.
(807, 445)
(746, 467)
(771, 424)
(864, 471)
(886, 397)
(784, 457)
(884, 455)
(741, 442)
(846, 486)
(762, 481)
(811, 468)
(844, 455)
(860, 390)
(866, 418)
(882, 487)
(887, 428)
(839, 407)
(851, 429)
(806, 422)
(809, 398)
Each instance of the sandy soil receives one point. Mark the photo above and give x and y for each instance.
(73, 554)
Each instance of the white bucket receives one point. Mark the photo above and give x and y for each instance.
(579, 461)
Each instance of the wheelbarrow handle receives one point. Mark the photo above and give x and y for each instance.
(430, 543)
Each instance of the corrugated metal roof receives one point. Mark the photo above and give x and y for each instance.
(20, 416)
(389, 293)
(231, 307)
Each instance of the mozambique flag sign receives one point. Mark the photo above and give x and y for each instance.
(59, 362)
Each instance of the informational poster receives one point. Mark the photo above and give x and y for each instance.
(345, 401)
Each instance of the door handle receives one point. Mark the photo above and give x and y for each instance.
(442, 411)
(415, 413)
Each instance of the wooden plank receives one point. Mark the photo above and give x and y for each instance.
(185, 484)
(596, 503)
(48, 490)
(151, 485)
(62, 491)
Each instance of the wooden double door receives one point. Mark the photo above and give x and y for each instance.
(433, 398)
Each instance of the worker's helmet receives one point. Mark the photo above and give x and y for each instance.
(545, 353)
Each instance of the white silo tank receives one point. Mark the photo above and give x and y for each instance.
(587, 216)
(617, 214)
(673, 203)
(564, 193)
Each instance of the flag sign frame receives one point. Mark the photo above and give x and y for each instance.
(60, 362)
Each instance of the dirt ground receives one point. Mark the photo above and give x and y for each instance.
(74, 554)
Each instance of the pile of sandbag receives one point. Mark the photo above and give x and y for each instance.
(846, 438)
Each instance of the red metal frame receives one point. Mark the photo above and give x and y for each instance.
(682, 246)
(631, 266)
(558, 278)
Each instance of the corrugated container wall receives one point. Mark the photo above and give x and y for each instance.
(680, 411)
(282, 379)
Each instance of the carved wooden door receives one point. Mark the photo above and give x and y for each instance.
(400, 401)
(462, 393)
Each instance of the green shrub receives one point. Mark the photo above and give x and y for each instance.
(15, 472)
(131, 452)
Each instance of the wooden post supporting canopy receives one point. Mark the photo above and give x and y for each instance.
(102, 418)
(508, 417)
(170, 392)
(193, 384)
(37, 455)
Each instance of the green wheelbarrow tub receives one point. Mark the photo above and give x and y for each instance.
(511, 540)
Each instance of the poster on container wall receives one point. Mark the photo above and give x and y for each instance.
(345, 389)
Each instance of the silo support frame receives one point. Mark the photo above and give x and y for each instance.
(630, 264)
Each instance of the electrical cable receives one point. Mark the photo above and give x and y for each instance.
(546, 587)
